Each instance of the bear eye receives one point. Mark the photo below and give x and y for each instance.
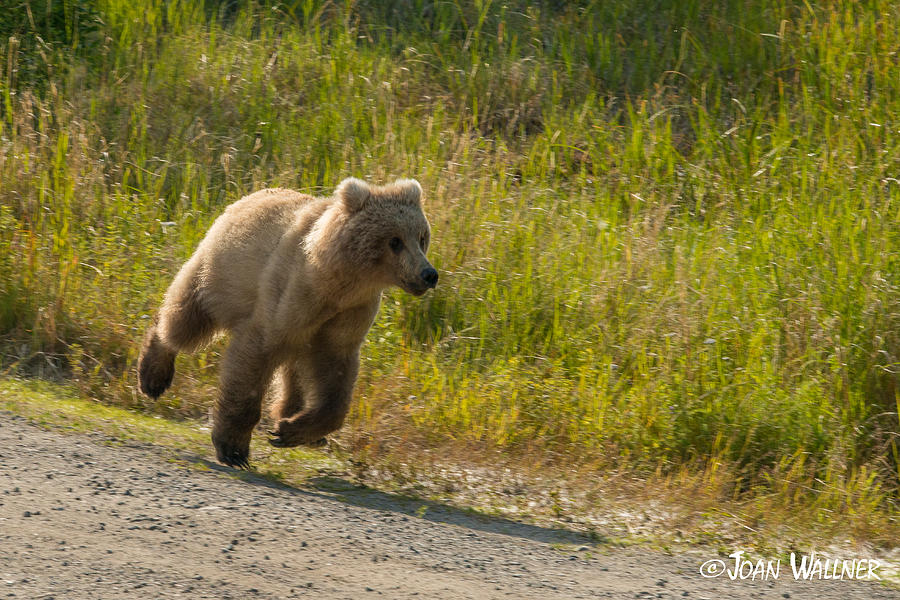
(396, 245)
(422, 241)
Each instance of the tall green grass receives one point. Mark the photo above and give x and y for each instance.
(667, 231)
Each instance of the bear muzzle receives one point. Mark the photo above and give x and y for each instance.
(430, 277)
(426, 280)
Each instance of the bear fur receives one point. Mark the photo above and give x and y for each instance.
(297, 281)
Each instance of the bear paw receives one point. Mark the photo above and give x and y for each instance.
(156, 366)
(233, 456)
(293, 432)
(280, 441)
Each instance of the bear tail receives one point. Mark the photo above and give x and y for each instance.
(156, 365)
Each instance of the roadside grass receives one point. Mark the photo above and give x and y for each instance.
(667, 232)
(61, 406)
(56, 405)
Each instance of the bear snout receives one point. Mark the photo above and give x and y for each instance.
(429, 276)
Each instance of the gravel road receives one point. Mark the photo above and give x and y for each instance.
(83, 518)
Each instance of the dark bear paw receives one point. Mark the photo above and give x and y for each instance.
(305, 429)
(233, 456)
(154, 382)
(156, 366)
(287, 441)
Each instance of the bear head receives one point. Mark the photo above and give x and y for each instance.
(383, 233)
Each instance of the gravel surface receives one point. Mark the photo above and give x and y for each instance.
(83, 518)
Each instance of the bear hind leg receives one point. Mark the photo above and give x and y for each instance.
(183, 325)
(156, 365)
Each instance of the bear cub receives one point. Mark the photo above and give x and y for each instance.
(297, 281)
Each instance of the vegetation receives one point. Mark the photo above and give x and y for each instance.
(667, 231)
(59, 406)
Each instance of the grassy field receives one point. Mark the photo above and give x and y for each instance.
(667, 232)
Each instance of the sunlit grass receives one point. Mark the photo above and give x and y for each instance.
(59, 406)
(667, 232)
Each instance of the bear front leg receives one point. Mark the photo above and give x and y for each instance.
(245, 375)
(290, 399)
(329, 380)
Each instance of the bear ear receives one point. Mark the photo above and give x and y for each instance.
(410, 190)
(353, 193)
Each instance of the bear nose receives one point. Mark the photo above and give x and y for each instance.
(430, 276)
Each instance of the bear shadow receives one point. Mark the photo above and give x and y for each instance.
(329, 487)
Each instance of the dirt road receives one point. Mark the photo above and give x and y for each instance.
(83, 518)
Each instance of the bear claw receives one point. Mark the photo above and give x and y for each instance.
(276, 440)
(239, 462)
(279, 441)
(239, 459)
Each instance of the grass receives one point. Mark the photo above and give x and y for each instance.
(56, 405)
(666, 231)
(61, 406)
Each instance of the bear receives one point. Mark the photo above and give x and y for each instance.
(296, 281)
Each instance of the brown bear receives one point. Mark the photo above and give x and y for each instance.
(297, 281)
